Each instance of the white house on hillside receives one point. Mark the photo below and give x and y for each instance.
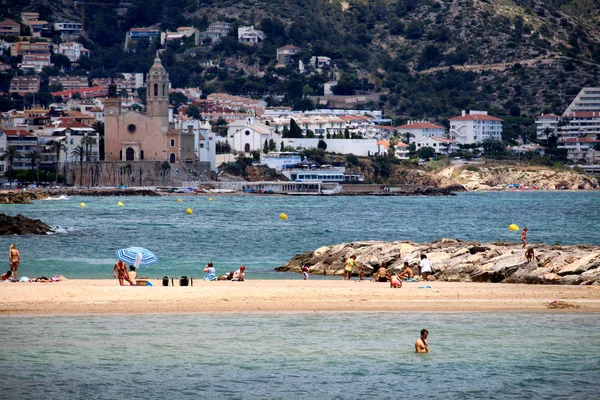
(420, 129)
(441, 145)
(544, 122)
(249, 35)
(475, 127)
(73, 50)
(248, 135)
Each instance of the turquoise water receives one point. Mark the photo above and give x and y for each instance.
(235, 230)
(301, 356)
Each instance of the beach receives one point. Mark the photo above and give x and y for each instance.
(104, 296)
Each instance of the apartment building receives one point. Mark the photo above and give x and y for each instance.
(69, 82)
(24, 84)
(475, 127)
(417, 130)
(8, 27)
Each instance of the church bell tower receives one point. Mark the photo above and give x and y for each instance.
(157, 91)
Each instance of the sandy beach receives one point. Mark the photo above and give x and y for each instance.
(80, 296)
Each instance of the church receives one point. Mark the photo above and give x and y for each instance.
(133, 136)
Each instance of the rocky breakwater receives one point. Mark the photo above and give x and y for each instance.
(457, 261)
(21, 225)
(21, 197)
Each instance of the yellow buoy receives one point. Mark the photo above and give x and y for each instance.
(513, 227)
(120, 204)
(283, 216)
(82, 205)
(210, 199)
(189, 211)
(179, 200)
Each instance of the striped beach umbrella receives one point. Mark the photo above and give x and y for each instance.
(138, 256)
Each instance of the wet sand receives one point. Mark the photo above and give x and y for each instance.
(82, 296)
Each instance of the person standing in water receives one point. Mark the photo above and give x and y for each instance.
(421, 345)
(524, 237)
(14, 260)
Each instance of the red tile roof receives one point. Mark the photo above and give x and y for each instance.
(475, 117)
(288, 47)
(420, 125)
(583, 114)
(16, 132)
(579, 140)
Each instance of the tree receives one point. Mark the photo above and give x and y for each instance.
(33, 156)
(272, 145)
(88, 142)
(57, 147)
(79, 152)
(266, 147)
(98, 126)
(10, 154)
(393, 143)
(322, 145)
(406, 136)
(426, 152)
(193, 112)
(165, 169)
(493, 149)
(281, 147)
(295, 131)
(346, 133)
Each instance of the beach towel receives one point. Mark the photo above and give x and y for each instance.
(24, 279)
(210, 277)
(410, 280)
(425, 287)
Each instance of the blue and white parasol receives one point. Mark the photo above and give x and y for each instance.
(137, 256)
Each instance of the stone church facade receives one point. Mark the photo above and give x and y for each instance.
(132, 136)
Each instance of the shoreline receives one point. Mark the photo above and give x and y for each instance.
(105, 296)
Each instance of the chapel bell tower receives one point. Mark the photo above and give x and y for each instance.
(157, 91)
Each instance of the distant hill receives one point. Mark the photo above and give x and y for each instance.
(425, 58)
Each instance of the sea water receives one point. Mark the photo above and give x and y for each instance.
(301, 356)
(246, 230)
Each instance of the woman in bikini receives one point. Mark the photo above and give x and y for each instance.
(14, 259)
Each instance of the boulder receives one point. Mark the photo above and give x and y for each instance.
(21, 225)
(579, 266)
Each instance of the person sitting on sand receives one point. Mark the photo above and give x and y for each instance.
(421, 345)
(6, 276)
(210, 272)
(395, 281)
(529, 254)
(239, 275)
(121, 269)
(407, 272)
(132, 273)
(381, 274)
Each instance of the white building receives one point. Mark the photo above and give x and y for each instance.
(401, 149)
(545, 122)
(420, 129)
(68, 29)
(285, 55)
(587, 100)
(2, 150)
(135, 80)
(581, 150)
(358, 147)
(441, 145)
(72, 133)
(73, 50)
(204, 139)
(327, 88)
(475, 127)
(248, 135)
(249, 35)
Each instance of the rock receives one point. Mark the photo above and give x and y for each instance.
(454, 260)
(20, 225)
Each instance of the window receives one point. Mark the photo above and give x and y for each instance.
(131, 128)
(172, 142)
(156, 89)
(201, 145)
(247, 133)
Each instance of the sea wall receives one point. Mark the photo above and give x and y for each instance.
(25, 197)
(457, 261)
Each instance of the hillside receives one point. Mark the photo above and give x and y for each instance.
(425, 58)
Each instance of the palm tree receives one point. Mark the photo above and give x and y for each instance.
(88, 142)
(165, 169)
(34, 155)
(57, 146)
(406, 136)
(393, 143)
(10, 154)
(79, 151)
(98, 126)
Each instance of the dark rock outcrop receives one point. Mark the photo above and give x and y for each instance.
(26, 197)
(21, 225)
(454, 260)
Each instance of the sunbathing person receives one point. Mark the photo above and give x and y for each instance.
(239, 275)
(6, 276)
(407, 272)
(381, 274)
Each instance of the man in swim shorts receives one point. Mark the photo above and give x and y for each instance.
(14, 259)
(407, 272)
(421, 345)
(121, 269)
